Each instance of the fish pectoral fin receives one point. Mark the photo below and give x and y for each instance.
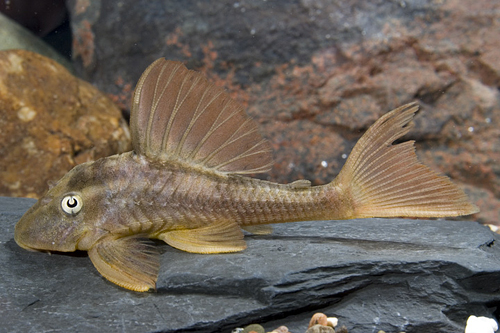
(130, 262)
(259, 229)
(220, 237)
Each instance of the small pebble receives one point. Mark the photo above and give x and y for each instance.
(494, 228)
(281, 329)
(318, 319)
(256, 328)
(481, 325)
(332, 321)
(320, 329)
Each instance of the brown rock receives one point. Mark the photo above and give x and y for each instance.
(318, 319)
(49, 122)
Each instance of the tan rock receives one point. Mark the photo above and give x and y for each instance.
(49, 122)
(318, 319)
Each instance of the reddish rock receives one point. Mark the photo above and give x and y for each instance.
(50, 121)
(316, 74)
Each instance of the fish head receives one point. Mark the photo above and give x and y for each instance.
(56, 222)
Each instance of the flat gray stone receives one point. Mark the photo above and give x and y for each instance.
(373, 274)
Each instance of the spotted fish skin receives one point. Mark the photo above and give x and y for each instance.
(185, 183)
(196, 198)
(157, 198)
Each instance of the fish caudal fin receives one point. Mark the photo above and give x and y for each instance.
(383, 179)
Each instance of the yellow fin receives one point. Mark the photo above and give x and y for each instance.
(262, 229)
(178, 115)
(386, 180)
(220, 237)
(129, 262)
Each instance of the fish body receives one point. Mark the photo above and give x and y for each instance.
(184, 183)
(137, 196)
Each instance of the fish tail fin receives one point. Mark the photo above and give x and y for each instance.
(382, 179)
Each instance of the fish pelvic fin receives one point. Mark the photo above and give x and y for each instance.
(130, 262)
(382, 179)
(178, 116)
(220, 237)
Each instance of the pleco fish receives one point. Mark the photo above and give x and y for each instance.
(183, 183)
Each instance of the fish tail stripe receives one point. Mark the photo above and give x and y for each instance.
(401, 185)
(382, 179)
(377, 138)
(376, 169)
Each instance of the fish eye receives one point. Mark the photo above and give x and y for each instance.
(72, 204)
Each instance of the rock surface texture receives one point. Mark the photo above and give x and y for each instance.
(317, 73)
(372, 274)
(49, 122)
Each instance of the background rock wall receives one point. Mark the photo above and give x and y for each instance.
(316, 74)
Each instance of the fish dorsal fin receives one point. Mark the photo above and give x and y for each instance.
(177, 115)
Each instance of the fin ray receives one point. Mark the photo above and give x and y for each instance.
(220, 237)
(178, 115)
(387, 180)
(130, 262)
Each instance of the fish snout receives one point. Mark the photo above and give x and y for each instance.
(23, 235)
(36, 231)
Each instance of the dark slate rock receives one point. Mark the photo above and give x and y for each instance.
(373, 274)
